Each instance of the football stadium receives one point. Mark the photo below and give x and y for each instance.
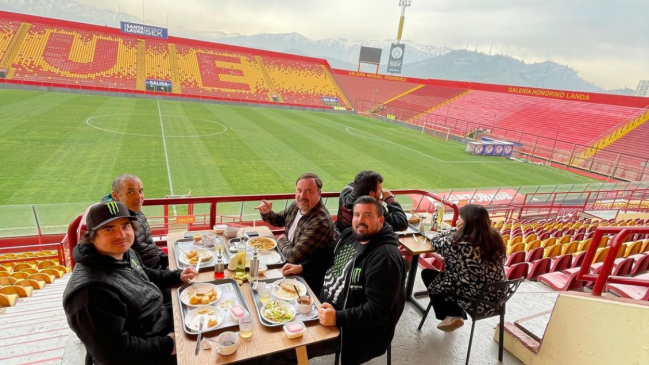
(247, 157)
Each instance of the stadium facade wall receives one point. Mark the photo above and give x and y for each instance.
(596, 98)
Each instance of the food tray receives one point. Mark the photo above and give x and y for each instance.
(410, 230)
(229, 291)
(249, 251)
(313, 316)
(188, 244)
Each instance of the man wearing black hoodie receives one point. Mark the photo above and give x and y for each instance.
(369, 183)
(112, 301)
(363, 292)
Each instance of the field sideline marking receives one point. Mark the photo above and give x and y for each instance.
(381, 139)
(164, 143)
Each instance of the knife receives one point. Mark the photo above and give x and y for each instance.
(200, 333)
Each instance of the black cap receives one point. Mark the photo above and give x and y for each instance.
(103, 213)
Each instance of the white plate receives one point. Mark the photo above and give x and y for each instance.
(184, 295)
(183, 257)
(270, 257)
(264, 249)
(280, 303)
(192, 318)
(283, 294)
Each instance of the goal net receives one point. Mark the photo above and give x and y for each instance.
(436, 130)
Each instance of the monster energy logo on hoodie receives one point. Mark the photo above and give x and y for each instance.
(112, 207)
(356, 275)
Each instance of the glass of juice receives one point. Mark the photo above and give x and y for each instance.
(264, 292)
(245, 326)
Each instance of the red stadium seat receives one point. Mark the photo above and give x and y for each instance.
(515, 258)
(630, 291)
(538, 267)
(562, 281)
(516, 271)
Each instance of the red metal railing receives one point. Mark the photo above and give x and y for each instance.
(615, 245)
(628, 200)
(72, 237)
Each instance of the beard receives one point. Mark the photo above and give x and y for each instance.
(362, 236)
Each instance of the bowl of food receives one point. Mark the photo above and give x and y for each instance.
(191, 257)
(212, 317)
(203, 294)
(231, 232)
(285, 289)
(220, 228)
(262, 243)
(277, 312)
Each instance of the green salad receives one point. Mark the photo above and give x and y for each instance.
(275, 312)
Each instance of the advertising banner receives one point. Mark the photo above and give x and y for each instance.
(327, 99)
(396, 58)
(143, 30)
(158, 85)
(3, 73)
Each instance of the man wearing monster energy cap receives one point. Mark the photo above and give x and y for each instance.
(112, 301)
(363, 291)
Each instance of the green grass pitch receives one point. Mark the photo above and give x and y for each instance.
(66, 148)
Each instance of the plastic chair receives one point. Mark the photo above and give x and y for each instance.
(508, 288)
(538, 268)
(532, 245)
(516, 271)
(552, 251)
(569, 248)
(549, 242)
(515, 248)
(515, 258)
(640, 264)
(535, 254)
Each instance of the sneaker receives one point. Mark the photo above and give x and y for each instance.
(450, 324)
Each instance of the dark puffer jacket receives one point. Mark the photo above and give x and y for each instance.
(393, 213)
(152, 256)
(116, 309)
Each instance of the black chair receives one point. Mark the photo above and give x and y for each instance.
(507, 288)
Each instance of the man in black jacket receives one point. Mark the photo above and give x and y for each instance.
(129, 190)
(112, 301)
(369, 183)
(363, 292)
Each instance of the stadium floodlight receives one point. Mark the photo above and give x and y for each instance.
(403, 4)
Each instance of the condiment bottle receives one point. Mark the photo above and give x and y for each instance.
(241, 258)
(254, 265)
(233, 258)
(219, 267)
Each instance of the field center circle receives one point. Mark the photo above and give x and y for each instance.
(155, 118)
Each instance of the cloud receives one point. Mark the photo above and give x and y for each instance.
(605, 40)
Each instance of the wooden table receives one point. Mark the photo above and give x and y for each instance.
(416, 249)
(264, 340)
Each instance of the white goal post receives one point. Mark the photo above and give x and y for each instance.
(436, 130)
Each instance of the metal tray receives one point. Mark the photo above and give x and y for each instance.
(313, 316)
(230, 290)
(410, 230)
(249, 250)
(188, 244)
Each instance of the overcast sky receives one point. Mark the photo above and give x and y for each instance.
(606, 41)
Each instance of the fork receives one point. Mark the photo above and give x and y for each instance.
(198, 266)
(200, 333)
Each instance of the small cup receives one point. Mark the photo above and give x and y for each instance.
(231, 232)
(264, 292)
(227, 343)
(220, 228)
(304, 308)
(245, 326)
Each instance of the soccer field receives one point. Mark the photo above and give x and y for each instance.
(64, 148)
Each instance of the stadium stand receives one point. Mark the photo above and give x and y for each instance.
(426, 98)
(378, 90)
(67, 53)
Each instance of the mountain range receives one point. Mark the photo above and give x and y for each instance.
(420, 60)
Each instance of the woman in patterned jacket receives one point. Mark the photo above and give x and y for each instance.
(474, 256)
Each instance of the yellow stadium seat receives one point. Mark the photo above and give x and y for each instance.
(569, 248)
(530, 238)
(21, 291)
(515, 248)
(34, 284)
(552, 251)
(56, 273)
(532, 245)
(548, 242)
(8, 300)
(45, 264)
(46, 278)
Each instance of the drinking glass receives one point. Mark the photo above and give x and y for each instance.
(245, 326)
(264, 292)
